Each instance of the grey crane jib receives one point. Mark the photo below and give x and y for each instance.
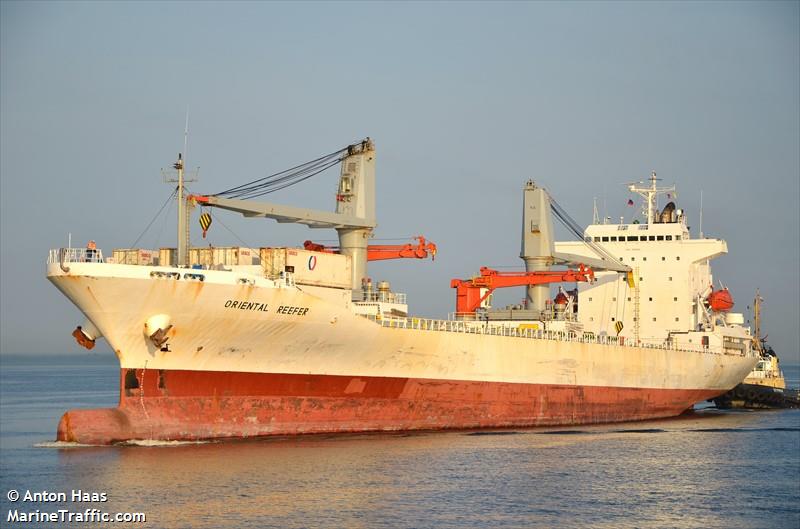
(354, 218)
(538, 243)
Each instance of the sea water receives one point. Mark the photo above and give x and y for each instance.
(709, 469)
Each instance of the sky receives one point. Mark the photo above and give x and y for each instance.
(465, 102)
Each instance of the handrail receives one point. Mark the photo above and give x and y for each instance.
(460, 326)
(74, 255)
(378, 296)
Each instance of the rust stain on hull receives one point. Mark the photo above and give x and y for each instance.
(194, 405)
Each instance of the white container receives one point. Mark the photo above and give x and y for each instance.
(167, 256)
(135, 256)
(734, 318)
(221, 255)
(308, 268)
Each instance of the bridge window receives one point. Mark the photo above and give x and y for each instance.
(669, 237)
(675, 299)
(659, 237)
(633, 238)
(651, 238)
(597, 239)
(613, 239)
(677, 319)
(605, 239)
(644, 258)
(650, 299)
(678, 258)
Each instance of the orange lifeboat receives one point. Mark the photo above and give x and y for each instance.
(720, 300)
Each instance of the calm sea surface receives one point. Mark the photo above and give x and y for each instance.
(725, 469)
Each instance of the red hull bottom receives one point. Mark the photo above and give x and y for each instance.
(195, 405)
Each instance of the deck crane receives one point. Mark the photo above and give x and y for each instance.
(381, 252)
(354, 218)
(470, 293)
(538, 245)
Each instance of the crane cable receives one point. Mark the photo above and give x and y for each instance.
(169, 198)
(285, 178)
(569, 223)
(575, 228)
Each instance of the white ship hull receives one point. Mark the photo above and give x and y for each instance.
(248, 356)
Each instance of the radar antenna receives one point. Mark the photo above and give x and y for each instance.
(650, 196)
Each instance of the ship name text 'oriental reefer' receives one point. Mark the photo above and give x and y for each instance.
(238, 342)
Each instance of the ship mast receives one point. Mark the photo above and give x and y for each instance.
(650, 195)
(184, 207)
(183, 224)
(757, 321)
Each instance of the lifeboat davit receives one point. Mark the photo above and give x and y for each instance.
(720, 300)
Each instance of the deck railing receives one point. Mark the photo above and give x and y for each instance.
(74, 255)
(378, 296)
(488, 328)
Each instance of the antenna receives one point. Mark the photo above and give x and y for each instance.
(186, 137)
(595, 215)
(181, 177)
(650, 196)
(701, 213)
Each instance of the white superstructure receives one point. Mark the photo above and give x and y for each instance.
(665, 296)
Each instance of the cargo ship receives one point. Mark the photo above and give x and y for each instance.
(247, 343)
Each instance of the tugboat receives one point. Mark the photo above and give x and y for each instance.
(764, 386)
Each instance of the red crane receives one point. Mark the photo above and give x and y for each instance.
(381, 252)
(468, 291)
